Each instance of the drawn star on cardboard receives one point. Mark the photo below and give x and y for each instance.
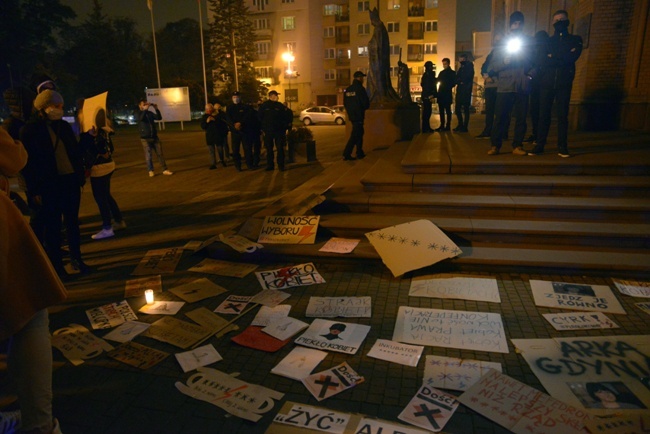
(412, 245)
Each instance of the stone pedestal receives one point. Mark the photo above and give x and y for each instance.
(388, 123)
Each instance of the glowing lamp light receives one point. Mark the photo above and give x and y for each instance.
(289, 72)
(513, 45)
(148, 296)
(288, 57)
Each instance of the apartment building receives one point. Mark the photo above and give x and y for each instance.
(309, 49)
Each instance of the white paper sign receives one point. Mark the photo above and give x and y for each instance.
(110, 315)
(413, 245)
(396, 352)
(456, 287)
(197, 290)
(284, 328)
(332, 381)
(575, 296)
(239, 243)
(201, 356)
(521, 408)
(579, 321)
(289, 229)
(289, 277)
(314, 418)
(478, 331)
(127, 331)
(270, 297)
(162, 307)
(266, 315)
(94, 112)
(455, 374)
(245, 400)
(77, 343)
(633, 288)
(570, 369)
(332, 307)
(233, 305)
(299, 363)
(339, 245)
(429, 409)
(334, 336)
(644, 307)
(378, 426)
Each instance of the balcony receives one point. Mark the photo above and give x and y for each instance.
(342, 61)
(342, 18)
(265, 33)
(416, 11)
(342, 39)
(413, 34)
(415, 57)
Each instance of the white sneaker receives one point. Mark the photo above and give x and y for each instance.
(167, 172)
(9, 421)
(104, 233)
(119, 225)
(151, 174)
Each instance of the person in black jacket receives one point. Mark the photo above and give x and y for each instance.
(149, 135)
(446, 83)
(557, 73)
(356, 102)
(428, 84)
(464, 83)
(243, 127)
(216, 133)
(274, 118)
(54, 175)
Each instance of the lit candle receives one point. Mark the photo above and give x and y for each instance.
(148, 295)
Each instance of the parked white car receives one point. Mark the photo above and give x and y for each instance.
(321, 114)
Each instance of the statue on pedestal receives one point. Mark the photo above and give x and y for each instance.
(380, 88)
(403, 80)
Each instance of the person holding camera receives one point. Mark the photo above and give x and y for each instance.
(149, 135)
(513, 67)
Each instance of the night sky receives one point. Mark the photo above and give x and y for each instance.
(472, 14)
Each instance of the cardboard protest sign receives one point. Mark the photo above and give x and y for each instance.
(176, 332)
(239, 243)
(252, 337)
(241, 399)
(223, 268)
(574, 296)
(289, 230)
(138, 356)
(267, 315)
(198, 357)
(455, 286)
(289, 277)
(192, 245)
(332, 307)
(521, 408)
(334, 336)
(332, 381)
(162, 307)
(270, 297)
(137, 287)
(429, 409)
(644, 307)
(413, 245)
(620, 424)
(633, 288)
(127, 331)
(284, 328)
(396, 352)
(339, 245)
(93, 112)
(77, 343)
(197, 290)
(299, 363)
(110, 315)
(455, 374)
(294, 418)
(572, 369)
(479, 331)
(211, 321)
(579, 321)
(233, 305)
(160, 261)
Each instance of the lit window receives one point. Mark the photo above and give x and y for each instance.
(331, 10)
(362, 51)
(288, 23)
(431, 4)
(430, 48)
(393, 4)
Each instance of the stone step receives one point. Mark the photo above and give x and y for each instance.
(561, 208)
(467, 230)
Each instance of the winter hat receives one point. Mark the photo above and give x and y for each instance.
(516, 16)
(47, 98)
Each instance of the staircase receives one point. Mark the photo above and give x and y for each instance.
(546, 214)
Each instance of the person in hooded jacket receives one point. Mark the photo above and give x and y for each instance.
(557, 72)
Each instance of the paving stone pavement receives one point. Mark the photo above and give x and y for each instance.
(105, 396)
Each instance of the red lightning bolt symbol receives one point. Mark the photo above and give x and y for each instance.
(230, 392)
(306, 232)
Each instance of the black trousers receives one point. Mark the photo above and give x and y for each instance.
(490, 104)
(562, 98)
(444, 108)
(108, 208)
(356, 139)
(240, 140)
(426, 115)
(277, 139)
(463, 101)
(507, 103)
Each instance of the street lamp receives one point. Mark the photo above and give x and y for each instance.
(288, 57)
